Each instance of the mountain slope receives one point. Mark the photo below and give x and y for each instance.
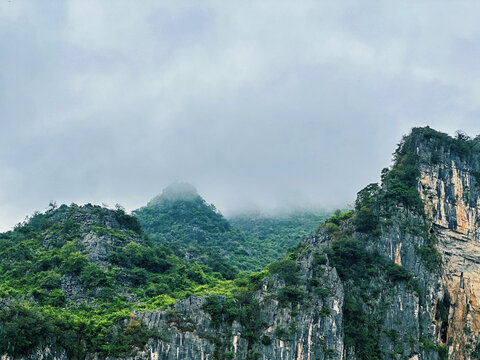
(397, 276)
(181, 218)
(71, 276)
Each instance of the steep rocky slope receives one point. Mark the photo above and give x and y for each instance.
(449, 185)
(395, 278)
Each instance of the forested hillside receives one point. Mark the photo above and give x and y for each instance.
(71, 277)
(278, 232)
(183, 219)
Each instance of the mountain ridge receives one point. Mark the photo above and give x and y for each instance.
(397, 277)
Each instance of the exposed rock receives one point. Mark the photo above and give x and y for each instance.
(298, 332)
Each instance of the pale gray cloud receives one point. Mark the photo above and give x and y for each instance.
(274, 103)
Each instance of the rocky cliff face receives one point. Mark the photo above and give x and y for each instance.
(442, 316)
(282, 330)
(450, 190)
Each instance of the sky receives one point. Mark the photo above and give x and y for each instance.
(259, 104)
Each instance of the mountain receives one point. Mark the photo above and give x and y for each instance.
(397, 277)
(183, 219)
(180, 217)
(70, 277)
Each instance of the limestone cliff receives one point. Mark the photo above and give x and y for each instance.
(310, 329)
(450, 188)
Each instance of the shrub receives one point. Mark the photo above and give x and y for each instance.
(282, 333)
(49, 280)
(319, 259)
(325, 311)
(220, 311)
(430, 256)
(290, 294)
(287, 269)
(266, 340)
(366, 218)
(213, 307)
(397, 272)
(92, 276)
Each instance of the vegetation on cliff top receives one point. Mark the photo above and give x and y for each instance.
(277, 233)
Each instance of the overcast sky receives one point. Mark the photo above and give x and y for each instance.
(265, 103)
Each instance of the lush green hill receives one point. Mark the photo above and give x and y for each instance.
(181, 218)
(277, 233)
(71, 276)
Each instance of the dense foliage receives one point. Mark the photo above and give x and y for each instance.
(197, 228)
(278, 233)
(55, 288)
(248, 241)
(400, 182)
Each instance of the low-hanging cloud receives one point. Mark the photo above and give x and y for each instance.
(269, 103)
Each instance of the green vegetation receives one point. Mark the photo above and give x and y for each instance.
(220, 310)
(40, 257)
(240, 305)
(282, 333)
(247, 242)
(58, 286)
(54, 290)
(287, 269)
(277, 233)
(400, 183)
(431, 346)
(431, 257)
(461, 145)
(366, 210)
(193, 226)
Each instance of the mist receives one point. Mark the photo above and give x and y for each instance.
(259, 105)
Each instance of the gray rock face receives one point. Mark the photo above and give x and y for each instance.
(46, 353)
(444, 316)
(408, 315)
(310, 330)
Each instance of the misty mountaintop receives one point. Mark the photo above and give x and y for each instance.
(176, 191)
(180, 217)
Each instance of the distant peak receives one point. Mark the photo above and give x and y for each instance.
(176, 191)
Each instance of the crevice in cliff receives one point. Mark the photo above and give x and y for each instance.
(441, 315)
